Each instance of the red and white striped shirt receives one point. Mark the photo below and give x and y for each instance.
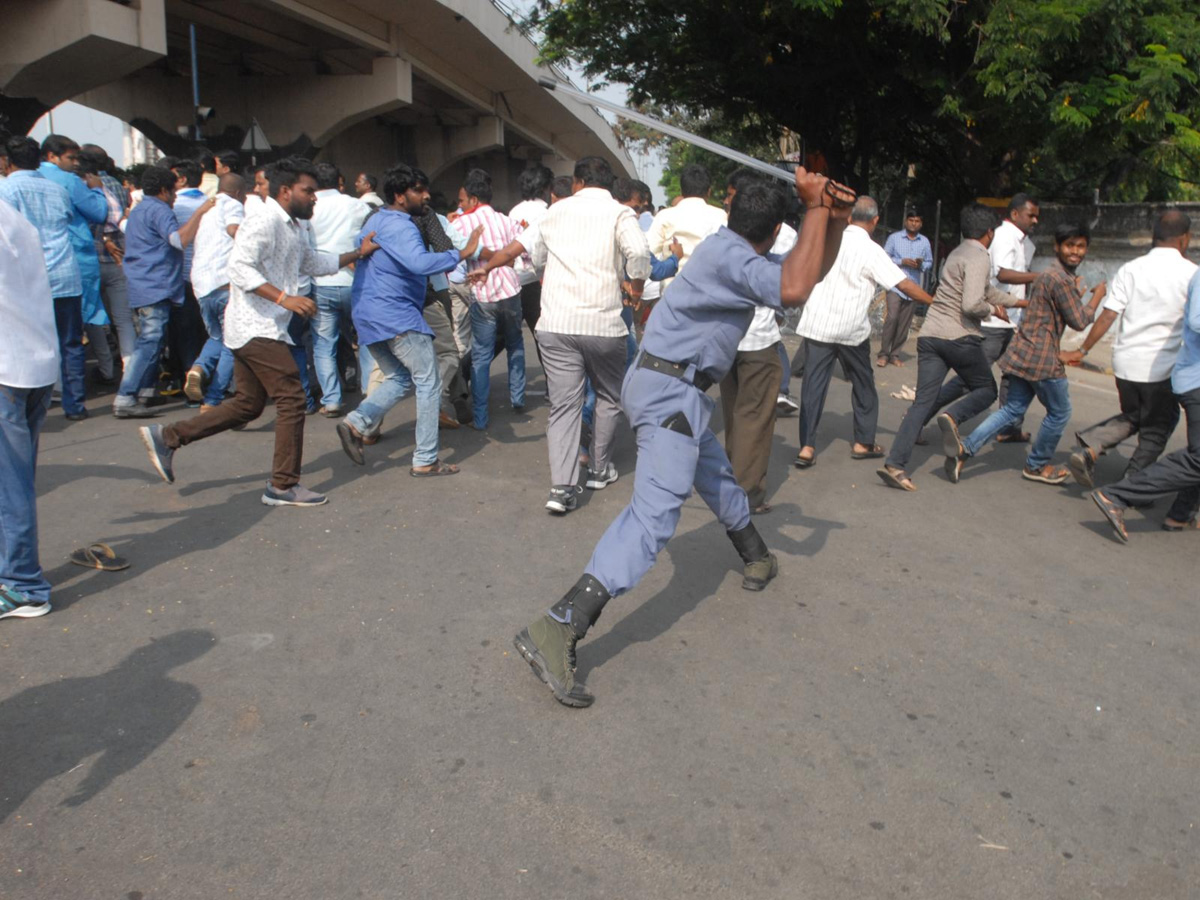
(498, 231)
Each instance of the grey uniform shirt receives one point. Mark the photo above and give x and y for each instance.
(707, 308)
(964, 296)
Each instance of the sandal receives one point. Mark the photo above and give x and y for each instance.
(881, 362)
(437, 468)
(98, 556)
(761, 509)
(1046, 474)
(1114, 514)
(875, 451)
(896, 478)
(1192, 524)
(804, 462)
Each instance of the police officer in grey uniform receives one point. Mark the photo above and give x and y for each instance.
(689, 345)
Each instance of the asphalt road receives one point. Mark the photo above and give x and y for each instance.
(971, 691)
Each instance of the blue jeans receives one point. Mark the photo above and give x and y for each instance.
(300, 333)
(22, 411)
(406, 360)
(486, 318)
(1052, 393)
(68, 317)
(332, 321)
(215, 359)
(151, 324)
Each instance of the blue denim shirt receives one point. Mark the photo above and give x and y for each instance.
(89, 207)
(153, 268)
(1186, 376)
(388, 296)
(663, 268)
(47, 206)
(705, 311)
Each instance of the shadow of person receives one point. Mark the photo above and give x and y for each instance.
(699, 568)
(123, 715)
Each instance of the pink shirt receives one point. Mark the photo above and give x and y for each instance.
(498, 231)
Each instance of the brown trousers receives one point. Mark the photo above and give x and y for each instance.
(262, 368)
(748, 395)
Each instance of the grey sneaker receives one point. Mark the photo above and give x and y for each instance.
(549, 647)
(564, 498)
(138, 410)
(161, 455)
(295, 496)
(598, 481)
(14, 604)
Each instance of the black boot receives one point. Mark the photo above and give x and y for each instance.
(760, 563)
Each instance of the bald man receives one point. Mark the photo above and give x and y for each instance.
(208, 379)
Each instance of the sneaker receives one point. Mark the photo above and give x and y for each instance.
(1083, 468)
(160, 454)
(14, 604)
(194, 383)
(563, 499)
(598, 481)
(295, 496)
(549, 647)
(785, 406)
(1047, 474)
(951, 443)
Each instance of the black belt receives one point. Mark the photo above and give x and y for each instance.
(674, 369)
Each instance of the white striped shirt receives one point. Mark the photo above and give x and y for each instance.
(526, 214)
(587, 243)
(498, 231)
(836, 311)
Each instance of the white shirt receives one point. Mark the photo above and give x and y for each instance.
(28, 336)
(1011, 248)
(836, 311)
(587, 243)
(210, 264)
(337, 219)
(270, 248)
(689, 221)
(764, 327)
(525, 214)
(1149, 294)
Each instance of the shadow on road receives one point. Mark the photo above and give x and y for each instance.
(123, 715)
(697, 558)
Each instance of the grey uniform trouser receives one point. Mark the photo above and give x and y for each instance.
(569, 359)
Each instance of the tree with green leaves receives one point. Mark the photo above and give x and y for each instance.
(1063, 97)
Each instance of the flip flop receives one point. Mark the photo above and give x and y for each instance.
(1114, 514)
(98, 556)
(881, 362)
(761, 509)
(1192, 525)
(899, 481)
(804, 462)
(437, 468)
(876, 451)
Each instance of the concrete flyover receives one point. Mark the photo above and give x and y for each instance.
(444, 84)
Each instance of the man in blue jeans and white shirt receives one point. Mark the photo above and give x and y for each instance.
(389, 296)
(29, 364)
(154, 244)
(336, 221)
(208, 380)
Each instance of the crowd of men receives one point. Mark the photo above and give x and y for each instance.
(278, 283)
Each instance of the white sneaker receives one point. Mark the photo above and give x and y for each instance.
(598, 481)
(785, 405)
(16, 605)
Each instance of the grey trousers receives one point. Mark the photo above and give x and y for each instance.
(437, 317)
(569, 359)
(896, 325)
(115, 293)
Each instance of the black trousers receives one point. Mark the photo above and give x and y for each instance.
(1179, 471)
(995, 342)
(817, 373)
(936, 357)
(1148, 409)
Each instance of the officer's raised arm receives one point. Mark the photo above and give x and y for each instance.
(820, 235)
